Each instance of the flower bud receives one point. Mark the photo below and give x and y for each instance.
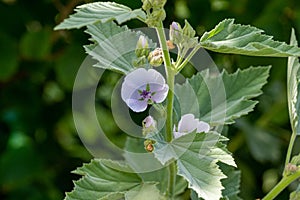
(146, 5)
(149, 125)
(157, 4)
(175, 33)
(290, 169)
(154, 19)
(155, 57)
(142, 47)
(149, 145)
(140, 61)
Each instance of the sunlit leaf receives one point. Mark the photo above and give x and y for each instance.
(293, 91)
(114, 46)
(145, 192)
(221, 98)
(196, 163)
(106, 179)
(228, 37)
(100, 12)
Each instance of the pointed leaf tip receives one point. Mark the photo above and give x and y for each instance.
(228, 37)
(91, 13)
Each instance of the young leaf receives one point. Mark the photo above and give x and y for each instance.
(196, 162)
(105, 179)
(221, 97)
(228, 37)
(91, 13)
(293, 88)
(114, 46)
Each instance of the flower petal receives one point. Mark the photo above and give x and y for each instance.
(161, 94)
(202, 127)
(137, 81)
(137, 105)
(177, 134)
(187, 123)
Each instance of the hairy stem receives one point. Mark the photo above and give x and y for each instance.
(170, 73)
(285, 181)
(290, 148)
(188, 58)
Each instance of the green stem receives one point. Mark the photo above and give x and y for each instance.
(170, 73)
(290, 148)
(188, 58)
(285, 181)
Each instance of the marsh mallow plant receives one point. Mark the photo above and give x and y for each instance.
(183, 143)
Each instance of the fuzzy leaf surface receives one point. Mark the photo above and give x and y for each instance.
(220, 98)
(197, 158)
(106, 179)
(114, 46)
(91, 13)
(228, 37)
(293, 84)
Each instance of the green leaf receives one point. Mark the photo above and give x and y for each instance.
(221, 98)
(111, 50)
(91, 13)
(262, 144)
(9, 58)
(231, 183)
(293, 88)
(228, 37)
(146, 192)
(196, 160)
(106, 179)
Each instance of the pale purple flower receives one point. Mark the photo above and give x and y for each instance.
(149, 125)
(187, 124)
(142, 87)
(149, 122)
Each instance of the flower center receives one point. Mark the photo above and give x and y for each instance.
(145, 94)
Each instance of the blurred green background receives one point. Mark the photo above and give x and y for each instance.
(39, 146)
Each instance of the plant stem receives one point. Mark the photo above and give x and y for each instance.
(188, 58)
(285, 181)
(290, 148)
(170, 73)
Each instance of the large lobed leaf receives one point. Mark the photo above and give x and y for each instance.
(91, 13)
(220, 98)
(114, 46)
(293, 88)
(197, 155)
(106, 179)
(228, 37)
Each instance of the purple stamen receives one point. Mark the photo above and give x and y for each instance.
(145, 94)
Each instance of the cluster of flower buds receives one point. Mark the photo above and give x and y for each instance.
(155, 11)
(149, 126)
(155, 57)
(142, 51)
(183, 36)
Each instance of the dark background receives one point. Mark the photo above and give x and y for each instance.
(39, 146)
